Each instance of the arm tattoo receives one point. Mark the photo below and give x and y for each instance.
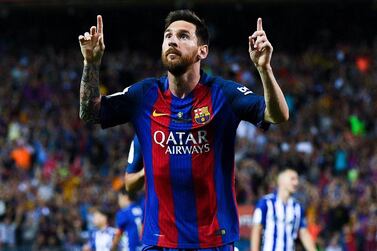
(89, 94)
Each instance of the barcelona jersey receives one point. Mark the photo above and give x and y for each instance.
(187, 146)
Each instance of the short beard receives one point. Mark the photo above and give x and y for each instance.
(179, 67)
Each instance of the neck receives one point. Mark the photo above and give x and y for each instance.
(125, 204)
(103, 227)
(283, 195)
(182, 85)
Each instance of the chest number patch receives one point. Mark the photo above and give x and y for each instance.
(244, 90)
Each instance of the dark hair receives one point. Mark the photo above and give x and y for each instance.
(189, 16)
(104, 210)
(132, 196)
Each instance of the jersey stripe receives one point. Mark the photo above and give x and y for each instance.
(290, 220)
(224, 172)
(203, 166)
(285, 228)
(160, 161)
(275, 223)
(268, 237)
(151, 200)
(280, 218)
(298, 219)
(184, 196)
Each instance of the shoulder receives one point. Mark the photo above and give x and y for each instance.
(142, 85)
(121, 215)
(270, 196)
(122, 212)
(136, 210)
(137, 88)
(111, 230)
(262, 202)
(229, 86)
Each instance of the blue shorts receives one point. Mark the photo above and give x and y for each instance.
(227, 247)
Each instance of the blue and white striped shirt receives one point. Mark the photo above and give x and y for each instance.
(281, 222)
(101, 240)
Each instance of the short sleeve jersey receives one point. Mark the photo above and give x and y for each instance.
(187, 146)
(281, 222)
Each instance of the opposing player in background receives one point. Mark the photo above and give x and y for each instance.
(280, 218)
(100, 238)
(128, 221)
(186, 123)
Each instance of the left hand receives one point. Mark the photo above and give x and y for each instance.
(260, 49)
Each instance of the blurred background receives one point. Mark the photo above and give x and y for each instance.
(54, 168)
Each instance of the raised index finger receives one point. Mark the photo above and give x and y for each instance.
(259, 24)
(99, 24)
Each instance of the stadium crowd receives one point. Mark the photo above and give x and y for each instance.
(54, 168)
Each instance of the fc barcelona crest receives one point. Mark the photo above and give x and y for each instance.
(202, 115)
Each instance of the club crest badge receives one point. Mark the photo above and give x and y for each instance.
(202, 115)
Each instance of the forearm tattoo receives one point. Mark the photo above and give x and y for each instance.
(89, 94)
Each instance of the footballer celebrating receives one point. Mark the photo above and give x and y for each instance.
(186, 123)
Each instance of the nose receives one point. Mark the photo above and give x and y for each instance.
(172, 44)
(172, 41)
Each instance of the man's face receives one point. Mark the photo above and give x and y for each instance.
(289, 181)
(99, 220)
(123, 200)
(180, 47)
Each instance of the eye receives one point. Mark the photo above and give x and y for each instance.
(167, 35)
(185, 36)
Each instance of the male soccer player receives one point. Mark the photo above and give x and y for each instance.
(129, 223)
(101, 238)
(281, 218)
(186, 123)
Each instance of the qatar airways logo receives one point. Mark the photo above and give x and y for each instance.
(182, 142)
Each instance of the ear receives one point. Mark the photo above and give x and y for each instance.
(203, 52)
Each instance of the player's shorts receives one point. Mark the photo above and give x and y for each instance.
(227, 247)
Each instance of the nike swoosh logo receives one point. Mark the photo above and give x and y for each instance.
(157, 114)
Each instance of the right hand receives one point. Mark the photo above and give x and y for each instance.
(260, 48)
(92, 43)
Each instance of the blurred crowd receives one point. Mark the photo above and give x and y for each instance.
(54, 168)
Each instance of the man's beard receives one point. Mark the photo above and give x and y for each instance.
(180, 65)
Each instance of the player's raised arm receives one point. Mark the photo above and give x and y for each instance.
(92, 48)
(260, 50)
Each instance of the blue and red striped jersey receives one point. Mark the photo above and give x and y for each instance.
(188, 151)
